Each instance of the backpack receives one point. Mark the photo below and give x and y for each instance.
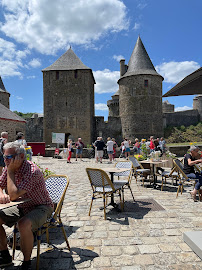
(1, 146)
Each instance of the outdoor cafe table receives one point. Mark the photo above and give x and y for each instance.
(112, 171)
(153, 163)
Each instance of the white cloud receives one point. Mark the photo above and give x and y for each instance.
(184, 108)
(51, 25)
(173, 72)
(35, 62)
(118, 57)
(31, 77)
(106, 81)
(11, 59)
(101, 107)
(136, 26)
(142, 5)
(19, 98)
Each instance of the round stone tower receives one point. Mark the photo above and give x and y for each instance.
(197, 105)
(113, 105)
(68, 87)
(140, 96)
(167, 107)
(4, 95)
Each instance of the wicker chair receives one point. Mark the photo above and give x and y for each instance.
(139, 172)
(57, 187)
(184, 178)
(126, 174)
(103, 187)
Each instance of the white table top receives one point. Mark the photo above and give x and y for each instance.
(10, 204)
(116, 170)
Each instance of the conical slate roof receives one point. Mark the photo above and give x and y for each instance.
(2, 87)
(68, 61)
(140, 62)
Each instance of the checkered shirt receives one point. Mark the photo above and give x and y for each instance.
(30, 178)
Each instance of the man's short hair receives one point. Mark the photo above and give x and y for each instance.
(19, 149)
(193, 148)
(4, 134)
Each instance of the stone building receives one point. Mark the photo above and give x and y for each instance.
(135, 110)
(140, 96)
(68, 87)
(9, 121)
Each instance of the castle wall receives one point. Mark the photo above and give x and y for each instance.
(111, 128)
(69, 104)
(12, 127)
(185, 118)
(34, 129)
(141, 106)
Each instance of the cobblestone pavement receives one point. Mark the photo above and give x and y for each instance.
(128, 240)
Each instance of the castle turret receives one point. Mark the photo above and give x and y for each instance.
(4, 95)
(167, 107)
(113, 105)
(197, 105)
(68, 87)
(140, 97)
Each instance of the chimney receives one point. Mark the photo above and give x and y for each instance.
(122, 67)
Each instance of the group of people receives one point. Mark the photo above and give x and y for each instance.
(79, 149)
(99, 149)
(152, 144)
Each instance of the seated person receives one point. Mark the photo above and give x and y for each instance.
(22, 179)
(189, 161)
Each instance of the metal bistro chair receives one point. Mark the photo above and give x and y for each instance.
(126, 174)
(179, 167)
(173, 174)
(57, 186)
(140, 171)
(102, 187)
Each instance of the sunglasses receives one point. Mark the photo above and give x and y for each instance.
(9, 156)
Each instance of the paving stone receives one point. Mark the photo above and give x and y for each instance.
(169, 248)
(101, 262)
(130, 250)
(143, 259)
(111, 251)
(122, 260)
(148, 249)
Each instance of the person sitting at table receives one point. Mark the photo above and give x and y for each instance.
(189, 161)
(22, 179)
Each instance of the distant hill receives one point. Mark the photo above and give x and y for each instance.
(24, 115)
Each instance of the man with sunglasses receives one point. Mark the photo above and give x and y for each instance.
(22, 179)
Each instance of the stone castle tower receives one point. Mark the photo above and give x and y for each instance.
(4, 95)
(197, 105)
(113, 105)
(140, 96)
(68, 87)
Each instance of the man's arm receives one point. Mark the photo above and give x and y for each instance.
(191, 163)
(13, 191)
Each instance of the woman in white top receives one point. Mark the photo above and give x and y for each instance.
(127, 147)
(69, 148)
(110, 150)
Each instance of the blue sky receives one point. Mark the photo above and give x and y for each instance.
(33, 34)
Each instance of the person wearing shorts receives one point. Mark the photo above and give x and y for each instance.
(110, 150)
(22, 178)
(79, 148)
(99, 144)
(126, 143)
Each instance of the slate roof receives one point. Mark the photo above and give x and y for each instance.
(7, 114)
(139, 62)
(68, 61)
(2, 87)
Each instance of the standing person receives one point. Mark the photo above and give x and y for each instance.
(126, 143)
(151, 145)
(94, 144)
(21, 139)
(162, 144)
(3, 141)
(22, 179)
(99, 144)
(110, 145)
(69, 148)
(79, 148)
(114, 149)
(137, 146)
